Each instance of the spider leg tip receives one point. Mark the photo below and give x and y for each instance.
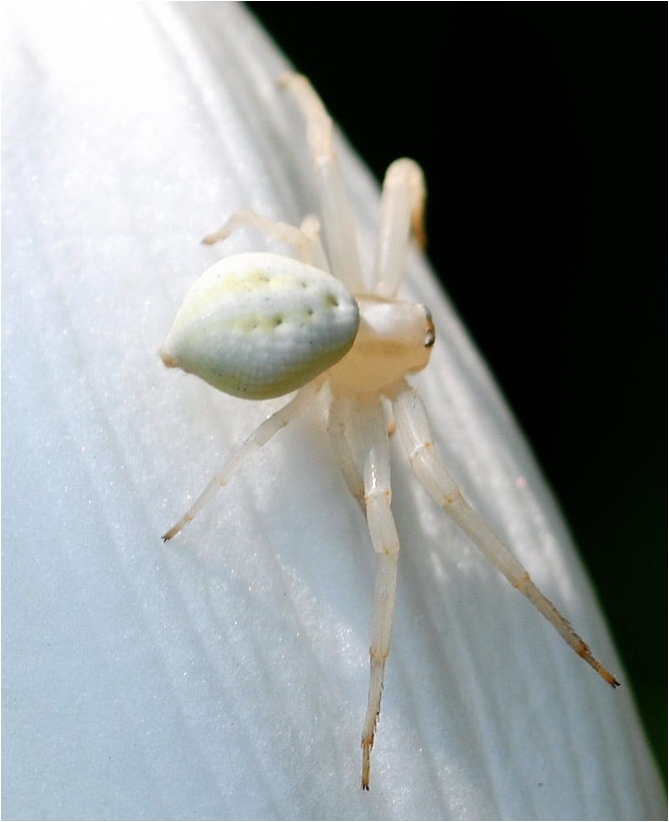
(285, 78)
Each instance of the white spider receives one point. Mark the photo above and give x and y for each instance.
(263, 325)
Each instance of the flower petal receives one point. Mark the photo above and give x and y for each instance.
(225, 675)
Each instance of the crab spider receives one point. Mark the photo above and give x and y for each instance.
(263, 325)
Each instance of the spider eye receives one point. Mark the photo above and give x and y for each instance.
(430, 331)
(261, 325)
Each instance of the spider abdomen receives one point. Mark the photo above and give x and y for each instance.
(261, 325)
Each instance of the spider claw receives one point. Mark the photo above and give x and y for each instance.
(365, 768)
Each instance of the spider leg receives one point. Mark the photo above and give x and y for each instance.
(368, 439)
(263, 433)
(305, 240)
(311, 226)
(402, 213)
(336, 214)
(337, 426)
(415, 434)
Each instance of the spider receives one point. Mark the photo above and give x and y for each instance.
(263, 325)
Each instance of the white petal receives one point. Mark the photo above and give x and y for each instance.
(224, 675)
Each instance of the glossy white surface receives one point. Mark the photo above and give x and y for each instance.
(224, 675)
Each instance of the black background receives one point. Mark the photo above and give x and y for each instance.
(541, 128)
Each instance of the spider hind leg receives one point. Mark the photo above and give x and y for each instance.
(254, 442)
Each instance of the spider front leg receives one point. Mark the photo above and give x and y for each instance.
(335, 209)
(414, 431)
(402, 215)
(368, 440)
